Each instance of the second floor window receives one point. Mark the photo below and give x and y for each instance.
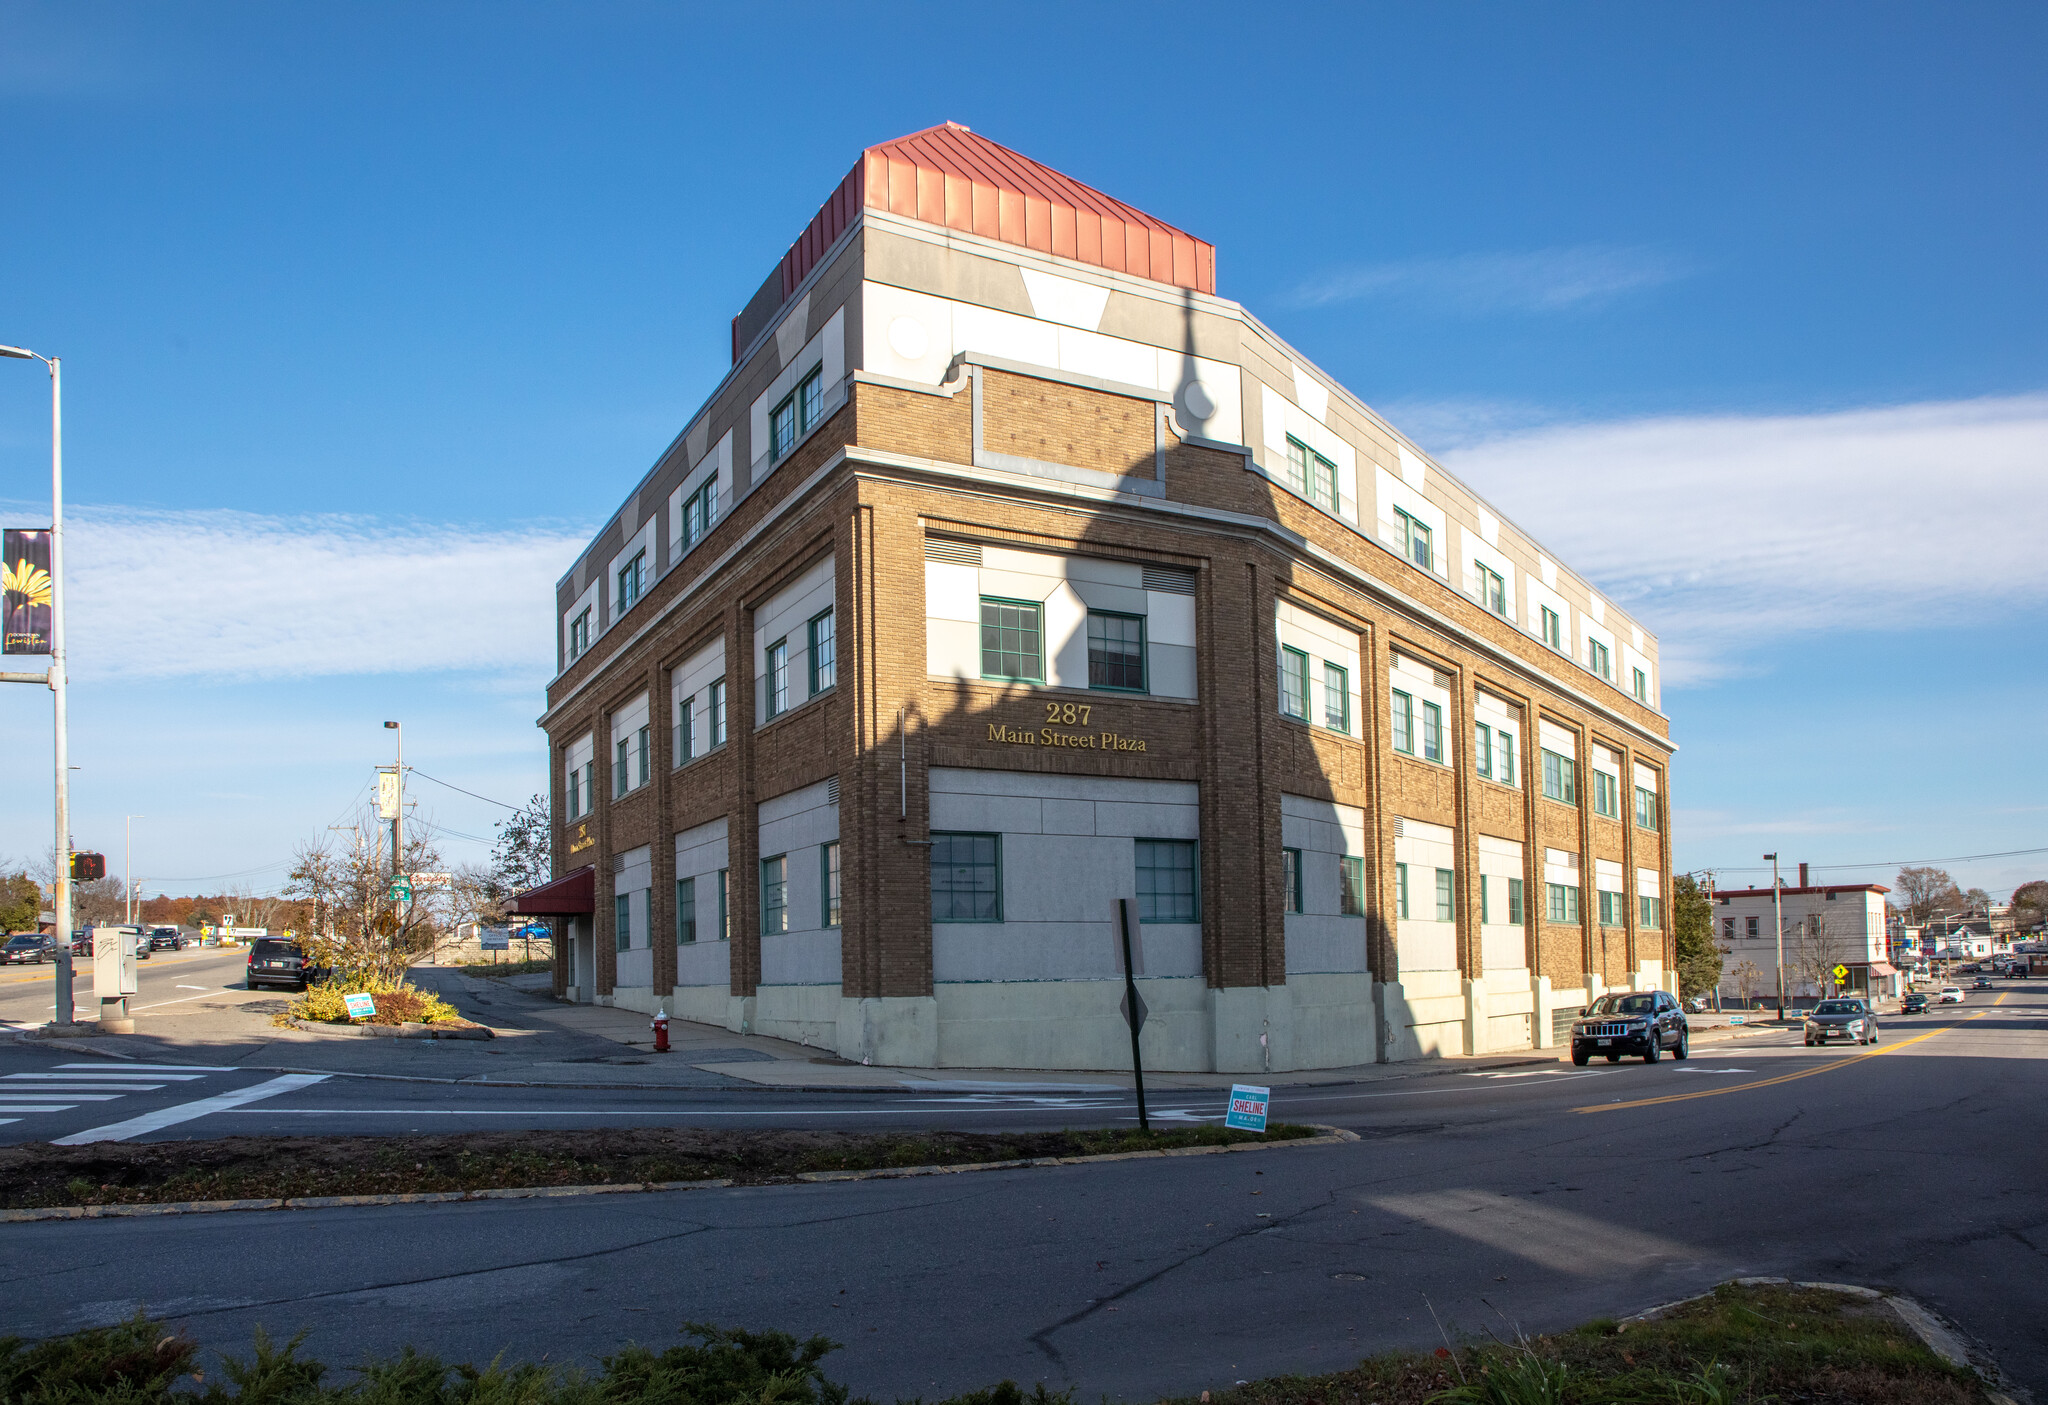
(1336, 698)
(1646, 808)
(778, 678)
(1293, 683)
(579, 636)
(824, 653)
(1560, 778)
(1432, 732)
(1415, 539)
(686, 730)
(1012, 645)
(718, 713)
(1493, 591)
(1116, 652)
(1404, 723)
(1606, 795)
(632, 578)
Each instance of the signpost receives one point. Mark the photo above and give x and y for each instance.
(1248, 1107)
(1133, 1007)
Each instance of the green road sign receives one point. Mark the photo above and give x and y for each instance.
(401, 890)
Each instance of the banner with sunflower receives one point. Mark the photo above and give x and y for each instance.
(25, 590)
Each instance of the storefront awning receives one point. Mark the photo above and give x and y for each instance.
(571, 895)
(1883, 968)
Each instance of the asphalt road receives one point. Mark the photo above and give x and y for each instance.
(1535, 1197)
(28, 993)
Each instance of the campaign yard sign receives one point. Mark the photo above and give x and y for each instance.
(360, 1007)
(1247, 1108)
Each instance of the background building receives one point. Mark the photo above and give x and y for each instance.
(1011, 571)
(1829, 925)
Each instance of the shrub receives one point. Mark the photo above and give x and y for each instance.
(401, 1004)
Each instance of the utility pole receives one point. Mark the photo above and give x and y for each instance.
(398, 814)
(128, 894)
(1778, 921)
(56, 681)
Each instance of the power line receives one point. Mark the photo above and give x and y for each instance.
(470, 793)
(1891, 863)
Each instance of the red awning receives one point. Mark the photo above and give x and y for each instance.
(1883, 968)
(571, 895)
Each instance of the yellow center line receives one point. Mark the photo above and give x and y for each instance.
(1784, 1077)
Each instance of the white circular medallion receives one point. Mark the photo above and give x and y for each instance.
(907, 338)
(1195, 400)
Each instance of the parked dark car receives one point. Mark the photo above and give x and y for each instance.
(166, 939)
(278, 961)
(26, 947)
(1914, 1004)
(1646, 1024)
(1841, 1018)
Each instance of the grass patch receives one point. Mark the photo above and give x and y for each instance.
(1740, 1346)
(38, 1174)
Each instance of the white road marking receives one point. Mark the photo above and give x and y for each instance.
(112, 1075)
(1691, 1068)
(44, 1093)
(187, 1112)
(47, 1090)
(179, 1001)
(39, 1107)
(162, 1068)
(191, 987)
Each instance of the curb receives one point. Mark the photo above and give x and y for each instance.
(1934, 1333)
(411, 1029)
(1330, 1136)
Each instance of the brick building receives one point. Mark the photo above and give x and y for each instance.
(1011, 571)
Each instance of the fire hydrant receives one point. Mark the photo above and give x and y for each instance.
(660, 1026)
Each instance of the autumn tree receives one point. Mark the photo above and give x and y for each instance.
(2030, 904)
(367, 939)
(1925, 893)
(1818, 947)
(1692, 930)
(21, 900)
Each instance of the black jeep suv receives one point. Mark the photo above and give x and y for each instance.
(1648, 1024)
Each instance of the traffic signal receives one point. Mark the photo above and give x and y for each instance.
(86, 867)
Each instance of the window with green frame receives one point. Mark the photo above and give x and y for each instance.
(1432, 732)
(1336, 697)
(778, 678)
(1290, 880)
(1504, 757)
(1293, 683)
(1646, 809)
(1169, 881)
(1493, 591)
(1652, 911)
(1116, 651)
(1446, 895)
(1560, 778)
(1012, 642)
(1416, 540)
(1553, 628)
(967, 877)
(622, 921)
(1606, 795)
(1404, 723)
(686, 911)
(828, 884)
(1351, 886)
(797, 415)
(775, 895)
(724, 911)
(1516, 912)
(1401, 890)
(1311, 475)
(1485, 900)
(822, 647)
(1563, 902)
(1601, 659)
(1611, 909)
(1642, 682)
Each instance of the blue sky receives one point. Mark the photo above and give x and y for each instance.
(370, 312)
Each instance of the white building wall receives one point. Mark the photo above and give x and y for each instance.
(1503, 945)
(1425, 942)
(786, 615)
(633, 879)
(1321, 937)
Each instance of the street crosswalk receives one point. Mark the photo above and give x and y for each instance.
(75, 1085)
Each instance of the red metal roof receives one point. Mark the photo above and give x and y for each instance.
(946, 175)
(571, 895)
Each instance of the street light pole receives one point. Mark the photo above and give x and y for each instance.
(398, 814)
(1778, 921)
(62, 878)
(128, 896)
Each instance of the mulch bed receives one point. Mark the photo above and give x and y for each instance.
(38, 1174)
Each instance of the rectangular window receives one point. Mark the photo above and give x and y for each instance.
(1646, 808)
(810, 401)
(778, 678)
(1336, 698)
(775, 895)
(1564, 902)
(1505, 762)
(1728, 929)
(686, 911)
(1611, 908)
(1553, 629)
(1116, 652)
(1516, 915)
(1290, 879)
(1652, 912)
(1401, 889)
(1432, 732)
(579, 636)
(1493, 591)
(1351, 886)
(1642, 681)
(782, 429)
(1415, 539)
(1752, 927)
(1404, 723)
(824, 652)
(644, 743)
(1293, 683)
(632, 576)
(573, 799)
(1446, 895)
(967, 878)
(1560, 778)
(718, 713)
(686, 730)
(1312, 475)
(724, 912)
(1167, 881)
(622, 921)
(700, 511)
(1602, 661)
(1012, 645)
(1607, 795)
(1485, 901)
(621, 771)
(1482, 749)
(828, 882)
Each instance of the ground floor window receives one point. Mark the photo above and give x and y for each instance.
(1290, 879)
(1351, 886)
(1167, 881)
(828, 884)
(686, 910)
(774, 895)
(622, 921)
(967, 878)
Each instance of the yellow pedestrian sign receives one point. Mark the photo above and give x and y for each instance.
(1841, 974)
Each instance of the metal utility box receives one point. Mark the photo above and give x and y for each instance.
(113, 962)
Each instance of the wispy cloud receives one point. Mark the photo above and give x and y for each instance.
(1541, 280)
(236, 595)
(1725, 531)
